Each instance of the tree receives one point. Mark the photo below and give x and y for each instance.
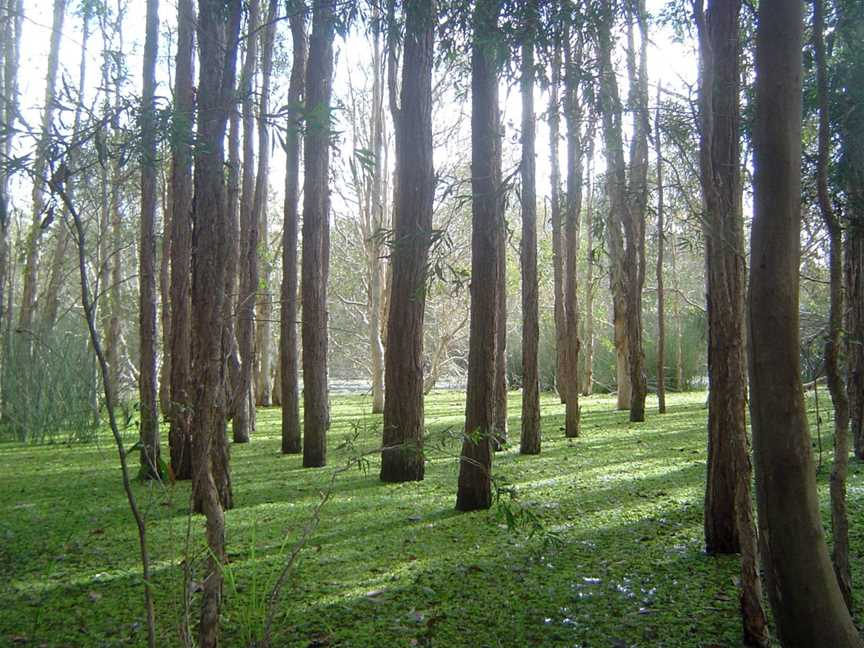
(244, 404)
(587, 382)
(634, 215)
(40, 219)
(661, 314)
(475, 483)
(848, 77)
(572, 210)
(833, 341)
(218, 30)
(149, 424)
(263, 390)
(316, 234)
(805, 598)
(179, 435)
(10, 53)
(616, 188)
(555, 216)
(402, 457)
(530, 439)
(728, 513)
(291, 441)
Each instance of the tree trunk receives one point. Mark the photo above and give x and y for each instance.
(218, 30)
(557, 225)
(637, 205)
(244, 404)
(500, 399)
(40, 168)
(573, 207)
(11, 39)
(475, 479)
(616, 187)
(661, 234)
(316, 235)
(833, 341)
(402, 457)
(530, 439)
(587, 383)
(724, 267)
(165, 300)
(264, 333)
(51, 307)
(849, 31)
(806, 601)
(291, 438)
(180, 431)
(728, 510)
(148, 338)
(376, 218)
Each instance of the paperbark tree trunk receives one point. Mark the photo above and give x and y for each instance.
(834, 340)
(661, 235)
(288, 361)
(218, 30)
(11, 38)
(587, 382)
(573, 207)
(849, 31)
(728, 518)
(557, 224)
(51, 306)
(724, 266)
(244, 404)
(376, 220)
(180, 431)
(402, 458)
(475, 480)
(264, 332)
(316, 235)
(40, 166)
(637, 205)
(806, 601)
(500, 399)
(616, 187)
(148, 338)
(530, 438)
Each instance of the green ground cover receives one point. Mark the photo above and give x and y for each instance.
(395, 565)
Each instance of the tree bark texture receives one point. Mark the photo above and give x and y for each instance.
(661, 235)
(288, 361)
(806, 601)
(264, 327)
(316, 235)
(218, 30)
(148, 337)
(637, 205)
(557, 223)
(402, 457)
(616, 187)
(180, 431)
(572, 210)
(834, 340)
(530, 440)
(475, 480)
(40, 167)
(244, 404)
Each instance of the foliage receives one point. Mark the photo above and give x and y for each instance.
(50, 387)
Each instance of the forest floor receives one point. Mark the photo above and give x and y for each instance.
(615, 559)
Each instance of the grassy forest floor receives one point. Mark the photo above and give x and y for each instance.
(396, 565)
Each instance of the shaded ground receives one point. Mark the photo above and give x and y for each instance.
(395, 565)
